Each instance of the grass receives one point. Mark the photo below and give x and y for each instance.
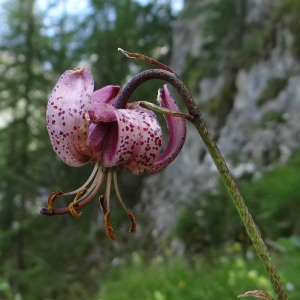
(274, 201)
(197, 277)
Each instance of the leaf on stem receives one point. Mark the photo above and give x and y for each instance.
(257, 294)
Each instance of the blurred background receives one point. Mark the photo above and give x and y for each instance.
(241, 61)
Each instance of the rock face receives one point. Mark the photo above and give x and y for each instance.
(261, 130)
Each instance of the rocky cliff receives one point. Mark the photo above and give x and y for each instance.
(251, 104)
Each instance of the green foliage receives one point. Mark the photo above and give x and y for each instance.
(209, 221)
(225, 20)
(198, 68)
(54, 258)
(230, 43)
(222, 104)
(196, 278)
(62, 258)
(5, 289)
(271, 116)
(290, 244)
(129, 25)
(249, 52)
(289, 13)
(272, 90)
(275, 196)
(213, 221)
(221, 25)
(234, 157)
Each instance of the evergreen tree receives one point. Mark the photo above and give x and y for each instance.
(39, 255)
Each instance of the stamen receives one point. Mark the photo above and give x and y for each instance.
(96, 167)
(87, 193)
(81, 202)
(129, 213)
(80, 194)
(73, 211)
(109, 230)
(51, 199)
(101, 202)
(107, 191)
(133, 222)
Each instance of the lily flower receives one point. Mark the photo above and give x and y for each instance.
(84, 126)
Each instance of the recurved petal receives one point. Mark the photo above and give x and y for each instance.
(176, 129)
(102, 112)
(66, 122)
(148, 145)
(102, 117)
(125, 138)
(106, 94)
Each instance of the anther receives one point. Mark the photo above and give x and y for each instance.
(108, 227)
(79, 195)
(133, 222)
(73, 211)
(51, 200)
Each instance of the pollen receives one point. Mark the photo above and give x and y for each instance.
(133, 222)
(73, 211)
(109, 229)
(51, 200)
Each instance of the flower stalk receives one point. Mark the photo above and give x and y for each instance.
(197, 120)
(101, 127)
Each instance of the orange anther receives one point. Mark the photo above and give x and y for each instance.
(108, 227)
(133, 222)
(73, 211)
(51, 200)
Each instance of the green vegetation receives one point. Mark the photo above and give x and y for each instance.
(198, 69)
(289, 13)
(211, 221)
(222, 104)
(56, 258)
(273, 88)
(274, 196)
(61, 258)
(194, 278)
(271, 116)
(249, 52)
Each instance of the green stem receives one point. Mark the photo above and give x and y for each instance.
(219, 161)
(242, 209)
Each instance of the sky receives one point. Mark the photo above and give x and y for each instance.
(73, 6)
(78, 7)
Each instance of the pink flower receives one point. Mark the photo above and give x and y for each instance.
(84, 126)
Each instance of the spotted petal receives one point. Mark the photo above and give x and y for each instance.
(132, 137)
(66, 123)
(97, 132)
(106, 94)
(176, 129)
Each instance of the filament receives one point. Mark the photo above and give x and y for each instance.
(86, 183)
(80, 202)
(107, 191)
(108, 227)
(129, 213)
